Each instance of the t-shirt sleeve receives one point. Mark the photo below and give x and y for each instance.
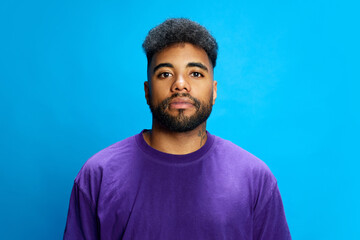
(269, 218)
(81, 220)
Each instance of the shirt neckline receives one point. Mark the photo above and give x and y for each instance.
(168, 158)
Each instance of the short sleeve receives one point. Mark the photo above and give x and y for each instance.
(81, 220)
(269, 218)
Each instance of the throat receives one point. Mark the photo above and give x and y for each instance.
(176, 143)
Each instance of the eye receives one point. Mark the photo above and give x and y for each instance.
(196, 75)
(164, 75)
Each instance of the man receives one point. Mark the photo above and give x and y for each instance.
(176, 181)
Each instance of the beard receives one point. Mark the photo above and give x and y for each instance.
(181, 122)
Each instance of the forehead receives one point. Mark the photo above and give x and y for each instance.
(180, 55)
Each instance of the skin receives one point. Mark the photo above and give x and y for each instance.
(179, 68)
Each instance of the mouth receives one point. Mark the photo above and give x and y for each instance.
(181, 103)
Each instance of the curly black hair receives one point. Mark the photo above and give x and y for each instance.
(179, 30)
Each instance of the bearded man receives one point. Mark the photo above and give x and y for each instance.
(176, 181)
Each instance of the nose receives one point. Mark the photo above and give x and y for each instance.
(180, 84)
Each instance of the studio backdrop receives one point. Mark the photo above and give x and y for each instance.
(72, 75)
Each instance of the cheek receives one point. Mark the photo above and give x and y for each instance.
(206, 92)
(162, 87)
(157, 96)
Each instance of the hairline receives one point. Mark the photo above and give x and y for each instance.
(178, 44)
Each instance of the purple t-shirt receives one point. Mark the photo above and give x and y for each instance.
(131, 191)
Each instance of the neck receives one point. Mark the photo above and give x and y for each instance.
(176, 142)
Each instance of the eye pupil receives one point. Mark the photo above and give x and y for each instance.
(196, 74)
(164, 75)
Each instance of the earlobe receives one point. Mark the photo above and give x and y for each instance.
(147, 91)
(214, 91)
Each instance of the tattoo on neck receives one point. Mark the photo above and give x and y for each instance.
(202, 134)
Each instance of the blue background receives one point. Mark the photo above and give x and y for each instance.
(72, 76)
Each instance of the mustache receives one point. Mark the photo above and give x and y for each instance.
(165, 103)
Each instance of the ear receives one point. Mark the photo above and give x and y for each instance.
(214, 91)
(147, 92)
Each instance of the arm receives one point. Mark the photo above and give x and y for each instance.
(269, 218)
(81, 220)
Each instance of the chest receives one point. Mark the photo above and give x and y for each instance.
(179, 203)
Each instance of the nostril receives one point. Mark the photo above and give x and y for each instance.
(180, 84)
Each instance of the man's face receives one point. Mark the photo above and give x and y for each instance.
(180, 89)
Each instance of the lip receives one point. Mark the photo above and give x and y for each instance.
(181, 103)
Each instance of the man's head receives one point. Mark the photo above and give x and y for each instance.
(180, 89)
(179, 30)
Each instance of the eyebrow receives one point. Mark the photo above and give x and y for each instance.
(163, 65)
(190, 64)
(197, 64)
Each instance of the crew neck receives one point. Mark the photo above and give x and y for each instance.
(168, 158)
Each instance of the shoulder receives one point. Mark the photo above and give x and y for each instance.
(237, 154)
(115, 154)
(242, 161)
(240, 164)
